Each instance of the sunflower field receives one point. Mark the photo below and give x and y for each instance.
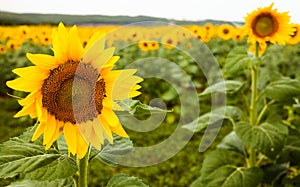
(151, 104)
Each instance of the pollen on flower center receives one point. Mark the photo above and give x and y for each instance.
(265, 25)
(72, 92)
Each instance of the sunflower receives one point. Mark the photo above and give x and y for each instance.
(148, 45)
(225, 31)
(74, 91)
(2, 49)
(268, 25)
(169, 41)
(295, 37)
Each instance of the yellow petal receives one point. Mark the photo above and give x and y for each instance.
(112, 61)
(94, 50)
(32, 73)
(43, 61)
(29, 98)
(63, 35)
(60, 42)
(56, 134)
(118, 129)
(75, 46)
(109, 103)
(38, 132)
(104, 57)
(38, 108)
(106, 128)
(59, 52)
(85, 130)
(70, 137)
(49, 130)
(88, 133)
(26, 110)
(134, 94)
(44, 115)
(99, 38)
(33, 115)
(109, 116)
(117, 74)
(82, 146)
(22, 84)
(98, 130)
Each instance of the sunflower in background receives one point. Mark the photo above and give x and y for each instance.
(225, 31)
(295, 37)
(74, 91)
(2, 49)
(268, 25)
(148, 45)
(169, 41)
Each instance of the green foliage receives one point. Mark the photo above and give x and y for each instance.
(221, 168)
(263, 146)
(20, 157)
(236, 62)
(231, 113)
(34, 183)
(110, 153)
(284, 89)
(234, 143)
(228, 86)
(120, 180)
(268, 138)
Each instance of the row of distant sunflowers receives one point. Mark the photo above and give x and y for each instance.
(12, 37)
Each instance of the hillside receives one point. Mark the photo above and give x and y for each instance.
(8, 18)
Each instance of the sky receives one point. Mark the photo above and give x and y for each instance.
(227, 10)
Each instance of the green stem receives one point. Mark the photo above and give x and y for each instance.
(83, 170)
(263, 111)
(75, 179)
(253, 106)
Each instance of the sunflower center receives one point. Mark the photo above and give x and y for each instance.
(225, 31)
(72, 92)
(295, 32)
(265, 25)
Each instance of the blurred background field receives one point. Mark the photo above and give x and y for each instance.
(182, 169)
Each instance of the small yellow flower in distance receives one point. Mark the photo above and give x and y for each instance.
(225, 31)
(295, 37)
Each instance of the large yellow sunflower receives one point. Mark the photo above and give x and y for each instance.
(268, 25)
(73, 92)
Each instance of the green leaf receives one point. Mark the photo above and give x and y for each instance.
(137, 108)
(121, 180)
(234, 143)
(283, 89)
(267, 138)
(62, 144)
(18, 156)
(228, 86)
(110, 153)
(197, 183)
(232, 113)
(273, 173)
(34, 183)
(169, 95)
(236, 61)
(220, 169)
(291, 150)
